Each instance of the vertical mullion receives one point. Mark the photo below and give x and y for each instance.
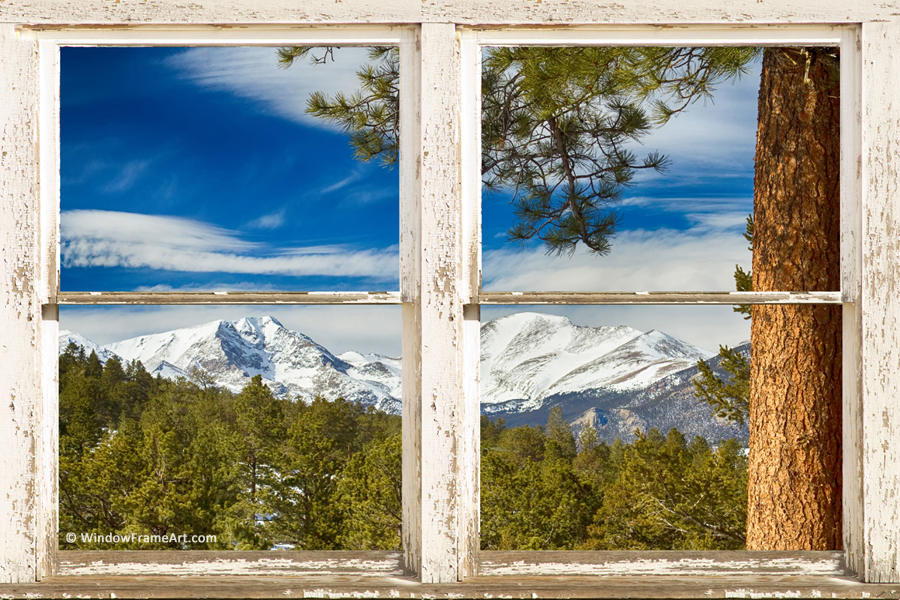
(851, 380)
(441, 311)
(48, 128)
(410, 286)
(47, 448)
(880, 299)
(470, 407)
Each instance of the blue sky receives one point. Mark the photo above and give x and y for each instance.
(179, 173)
(197, 169)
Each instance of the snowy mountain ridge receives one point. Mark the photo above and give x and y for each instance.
(290, 363)
(530, 362)
(527, 358)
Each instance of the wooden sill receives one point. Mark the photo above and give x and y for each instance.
(529, 575)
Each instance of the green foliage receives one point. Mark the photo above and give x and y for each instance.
(370, 116)
(730, 399)
(671, 495)
(370, 492)
(142, 456)
(532, 498)
(156, 457)
(743, 280)
(657, 493)
(557, 124)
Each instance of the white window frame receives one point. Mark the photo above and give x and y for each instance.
(440, 254)
(846, 38)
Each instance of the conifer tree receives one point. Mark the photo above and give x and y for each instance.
(541, 107)
(557, 125)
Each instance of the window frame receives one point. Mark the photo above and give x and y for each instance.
(440, 292)
(51, 296)
(844, 37)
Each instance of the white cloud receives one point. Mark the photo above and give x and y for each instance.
(96, 238)
(338, 328)
(127, 176)
(272, 221)
(715, 136)
(254, 74)
(701, 258)
(352, 178)
(697, 259)
(693, 204)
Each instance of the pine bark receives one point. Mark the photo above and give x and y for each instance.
(794, 471)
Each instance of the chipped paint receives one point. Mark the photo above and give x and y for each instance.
(711, 298)
(224, 566)
(714, 564)
(20, 544)
(878, 552)
(189, 298)
(101, 13)
(440, 257)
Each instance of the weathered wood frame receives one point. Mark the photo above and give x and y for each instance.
(439, 236)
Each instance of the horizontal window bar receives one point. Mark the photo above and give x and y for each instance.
(660, 563)
(181, 563)
(659, 35)
(78, 298)
(659, 298)
(486, 298)
(194, 35)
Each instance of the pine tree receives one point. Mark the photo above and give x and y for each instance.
(557, 125)
(536, 95)
(795, 392)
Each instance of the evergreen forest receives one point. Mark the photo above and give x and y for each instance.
(146, 455)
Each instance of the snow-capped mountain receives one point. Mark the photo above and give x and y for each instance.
(70, 337)
(668, 403)
(615, 378)
(529, 358)
(289, 362)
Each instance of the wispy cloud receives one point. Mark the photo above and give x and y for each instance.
(690, 204)
(128, 175)
(95, 238)
(254, 74)
(700, 258)
(352, 178)
(271, 221)
(718, 135)
(357, 187)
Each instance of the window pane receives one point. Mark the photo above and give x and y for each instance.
(201, 169)
(254, 428)
(647, 428)
(632, 169)
(616, 367)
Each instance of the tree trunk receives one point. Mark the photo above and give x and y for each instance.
(794, 479)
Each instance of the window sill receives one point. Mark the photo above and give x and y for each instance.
(200, 574)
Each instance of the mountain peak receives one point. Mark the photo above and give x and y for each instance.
(257, 329)
(259, 322)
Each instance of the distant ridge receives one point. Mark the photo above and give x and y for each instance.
(614, 378)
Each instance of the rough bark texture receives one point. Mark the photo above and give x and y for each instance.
(795, 381)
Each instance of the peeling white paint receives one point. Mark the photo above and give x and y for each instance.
(751, 594)
(684, 566)
(880, 318)
(327, 593)
(275, 566)
(440, 258)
